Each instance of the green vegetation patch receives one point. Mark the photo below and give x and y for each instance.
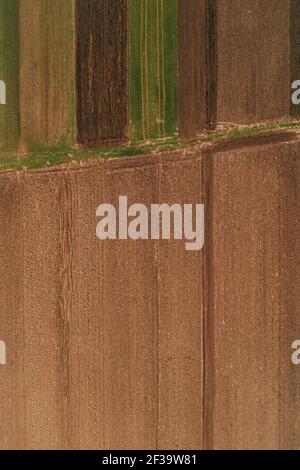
(50, 156)
(153, 68)
(9, 73)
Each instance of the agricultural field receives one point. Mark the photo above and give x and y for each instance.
(116, 332)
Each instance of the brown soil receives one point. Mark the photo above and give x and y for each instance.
(254, 80)
(101, 71)
(192, 58)
(124, 344)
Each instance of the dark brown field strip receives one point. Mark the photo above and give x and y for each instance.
(101, 71)
(192, 66)
(197, 66)
(211, 63)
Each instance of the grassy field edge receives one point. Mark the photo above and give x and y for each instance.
(49, 156)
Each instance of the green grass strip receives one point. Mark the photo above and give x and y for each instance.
(50, 156)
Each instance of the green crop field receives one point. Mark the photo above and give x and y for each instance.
(9, 73)
(153, 68)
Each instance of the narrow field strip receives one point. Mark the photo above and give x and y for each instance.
(50, 156)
